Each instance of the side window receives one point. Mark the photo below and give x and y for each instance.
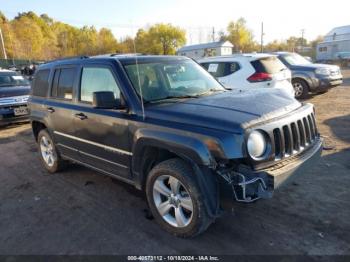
(41, 83)
(63, 83)
(95, 79)
(221, 69)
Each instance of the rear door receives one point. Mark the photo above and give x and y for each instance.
(102, 135)
(59, 108)
(228, 73)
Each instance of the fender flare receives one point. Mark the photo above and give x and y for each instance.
(192, 150)
(190, 147)
(303, 76)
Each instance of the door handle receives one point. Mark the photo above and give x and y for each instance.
(81, 116)
(50, 110)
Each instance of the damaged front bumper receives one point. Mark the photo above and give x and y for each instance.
(250, 185)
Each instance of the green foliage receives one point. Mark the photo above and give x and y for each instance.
(29, 36)
(240, 36)
(160, 39)
(291, 44)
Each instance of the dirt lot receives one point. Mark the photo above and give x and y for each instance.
(81, 212)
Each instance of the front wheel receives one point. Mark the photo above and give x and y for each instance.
(300, 88)
(175, 200)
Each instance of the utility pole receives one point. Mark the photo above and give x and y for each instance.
(213, 34)
(302, 38)
(262, 38)
(3, 45)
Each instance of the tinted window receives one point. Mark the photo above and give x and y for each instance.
(41, 83)
(12, 79)
(270, 65)
(221, 69)
(97, 79)
(63, 83)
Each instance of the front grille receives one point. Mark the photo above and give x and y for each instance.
(294, 137)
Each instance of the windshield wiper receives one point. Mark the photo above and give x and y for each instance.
(173, 97)
(211, 91)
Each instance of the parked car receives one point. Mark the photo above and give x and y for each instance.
(308, 77)
(166, 126)
(249, 71)
(14, 94)
(343, 59)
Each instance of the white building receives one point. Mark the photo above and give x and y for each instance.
(335, 42)
(205, 50)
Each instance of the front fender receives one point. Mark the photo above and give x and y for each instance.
(192, 149)
(178, 144)
(304, 76)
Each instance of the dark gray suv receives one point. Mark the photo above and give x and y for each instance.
(308, 77)
(166, 126)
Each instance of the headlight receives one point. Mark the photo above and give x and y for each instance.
(256, 144)
(323, 71)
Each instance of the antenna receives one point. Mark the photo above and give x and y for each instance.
(138, 79)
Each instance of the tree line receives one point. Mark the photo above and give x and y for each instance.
(32, 36)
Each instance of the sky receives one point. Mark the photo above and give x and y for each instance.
(281, 18)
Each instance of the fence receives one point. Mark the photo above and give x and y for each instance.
(6, 63)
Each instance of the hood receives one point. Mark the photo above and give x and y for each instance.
(315, 66)
(228, 111)
(14, 91)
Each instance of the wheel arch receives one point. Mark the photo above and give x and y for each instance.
(303, 79)
(37, 126)
(154, 147)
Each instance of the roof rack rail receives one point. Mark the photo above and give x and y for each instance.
(67, 58)
(126, 54)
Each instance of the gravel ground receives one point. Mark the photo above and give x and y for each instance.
(81, 212)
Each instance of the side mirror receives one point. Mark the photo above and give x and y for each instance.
(104, 99)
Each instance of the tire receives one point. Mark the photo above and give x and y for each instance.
(179, 220)
(45, 142)
(301, 88)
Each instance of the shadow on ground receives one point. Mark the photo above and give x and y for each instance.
(340, 127)
(79, 211)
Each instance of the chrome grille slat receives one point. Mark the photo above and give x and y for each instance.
(314, 121)
(302, 134)
(312, 129)
(279, 143)
(307, 129)
(294, 137)
(287, 141)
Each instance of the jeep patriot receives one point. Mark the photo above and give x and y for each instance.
(166, 126)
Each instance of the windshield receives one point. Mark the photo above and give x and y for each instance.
(295, 59)
(12, 80)
(171, 79)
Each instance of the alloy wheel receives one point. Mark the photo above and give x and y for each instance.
(47, 151)
(173, 201)
(298, 89)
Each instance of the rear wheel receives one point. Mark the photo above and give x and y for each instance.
(48, 152)
(300, 88)
(175, 199)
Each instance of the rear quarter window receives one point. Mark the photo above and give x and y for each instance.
(270, 65)
(41, 83)
(221, 69)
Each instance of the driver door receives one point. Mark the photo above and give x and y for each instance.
(102, 134)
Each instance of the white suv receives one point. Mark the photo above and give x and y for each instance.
(249, 71)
